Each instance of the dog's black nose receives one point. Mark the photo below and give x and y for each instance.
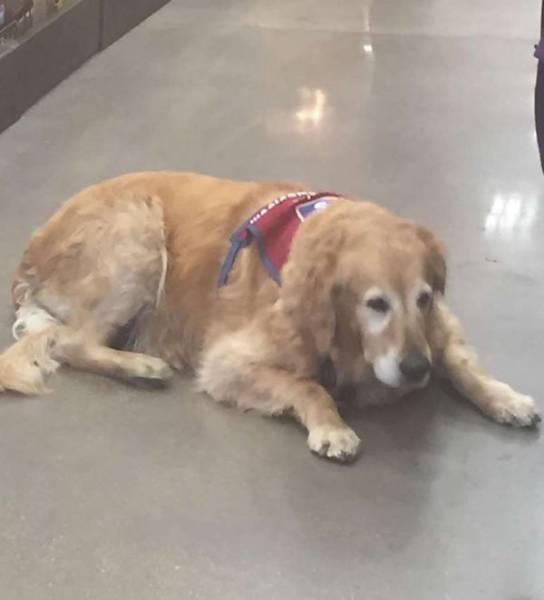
(414, 366)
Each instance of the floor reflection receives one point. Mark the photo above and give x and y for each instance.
(312, 108)
(511, 213)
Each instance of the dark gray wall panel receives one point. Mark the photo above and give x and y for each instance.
(120, 16)
(59, 46)
(55, 51)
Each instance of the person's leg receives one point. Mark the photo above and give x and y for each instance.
(539, 92)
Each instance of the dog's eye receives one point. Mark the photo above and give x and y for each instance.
(424, 299)
(378, 304)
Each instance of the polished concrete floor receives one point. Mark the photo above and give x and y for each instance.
(109, 493)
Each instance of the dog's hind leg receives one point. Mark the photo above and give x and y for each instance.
(82, 351)
(25, 366)
(460, 364)
(83, 278)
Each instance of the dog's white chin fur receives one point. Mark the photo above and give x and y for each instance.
(386, 369)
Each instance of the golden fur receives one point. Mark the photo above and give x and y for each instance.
(137, 258)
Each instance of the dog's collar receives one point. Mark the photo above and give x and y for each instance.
(273, 228)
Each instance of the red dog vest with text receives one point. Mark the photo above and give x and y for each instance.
(272, 228)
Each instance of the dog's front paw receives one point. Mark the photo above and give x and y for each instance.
(338, 443)
(511, 408)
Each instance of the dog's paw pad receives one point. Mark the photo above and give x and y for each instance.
(159, 370)
(151, 371)
(337, 443)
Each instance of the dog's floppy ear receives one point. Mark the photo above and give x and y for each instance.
(436, 259)
(309, 279)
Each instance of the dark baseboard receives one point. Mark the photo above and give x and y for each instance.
(58, 47)
(8, 105)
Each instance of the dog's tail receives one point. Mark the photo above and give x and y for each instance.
(26, 365)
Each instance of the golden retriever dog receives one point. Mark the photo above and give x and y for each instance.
(141, 274)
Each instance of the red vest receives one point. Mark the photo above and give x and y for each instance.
(273, 228)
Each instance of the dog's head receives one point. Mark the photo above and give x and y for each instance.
(362, 280)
